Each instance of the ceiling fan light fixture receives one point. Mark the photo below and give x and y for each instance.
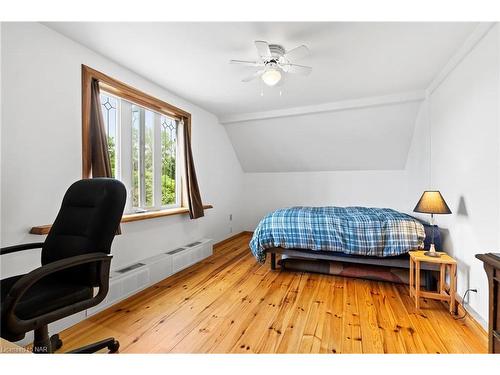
(274, 62)
(271, 77)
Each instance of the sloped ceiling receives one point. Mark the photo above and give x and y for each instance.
(350, 60)
(374, 138)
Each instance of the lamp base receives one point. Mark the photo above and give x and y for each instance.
(432, 254)
(432, 251)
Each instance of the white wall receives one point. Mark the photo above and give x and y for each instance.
(41, 148)
(418, 161)
(265, 192)
(464, 161)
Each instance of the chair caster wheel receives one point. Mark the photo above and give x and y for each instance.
(55, 342)
(114, 346)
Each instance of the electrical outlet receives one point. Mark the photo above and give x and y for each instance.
(230, 230)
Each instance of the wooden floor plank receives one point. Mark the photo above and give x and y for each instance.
(368, 319)
(387, 320)
(243, 316)
(221, 319)
(295, 329)
(313, 331)
(262, 315)
(271, 339)
(333, 320)
(229, 303)
(406, 320)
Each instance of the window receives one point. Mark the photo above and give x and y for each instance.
(142, 145)
(147, 148)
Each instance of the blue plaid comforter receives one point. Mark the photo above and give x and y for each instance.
(377, 232)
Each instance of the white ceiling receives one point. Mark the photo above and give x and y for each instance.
(356, 111)
(374, 138)
(350, 60)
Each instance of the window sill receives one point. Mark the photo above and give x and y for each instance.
(160, 213)
(44, 229)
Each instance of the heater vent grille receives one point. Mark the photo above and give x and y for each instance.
(130, 268)
(175, 251)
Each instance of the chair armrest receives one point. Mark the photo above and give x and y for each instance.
(21, 286)
(15, 248)
(25, 282)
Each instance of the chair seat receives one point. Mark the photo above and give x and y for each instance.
(46, 295)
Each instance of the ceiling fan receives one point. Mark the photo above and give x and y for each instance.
(273, 61)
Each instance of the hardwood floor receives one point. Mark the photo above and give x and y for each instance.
(231, 304)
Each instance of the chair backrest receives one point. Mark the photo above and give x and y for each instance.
(87, 221)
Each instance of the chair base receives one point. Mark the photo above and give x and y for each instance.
(45, 344)
(110, 343)
(55, 342)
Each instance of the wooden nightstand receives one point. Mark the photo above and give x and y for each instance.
(445, 262)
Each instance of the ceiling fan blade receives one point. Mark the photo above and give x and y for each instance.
(253, 76)
(297, 53)
(263, 49)
(297, 69)
(244, 62)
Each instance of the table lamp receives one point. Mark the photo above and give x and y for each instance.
(432, 202)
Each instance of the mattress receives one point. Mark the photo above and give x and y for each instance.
(361, 231)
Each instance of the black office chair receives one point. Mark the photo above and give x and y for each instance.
(75, 260)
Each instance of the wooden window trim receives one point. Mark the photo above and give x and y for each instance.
(44, 229)
(124, 91)
(131, 94)
(161, 213)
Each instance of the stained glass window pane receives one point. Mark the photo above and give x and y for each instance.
(109, 105)
(168, 160)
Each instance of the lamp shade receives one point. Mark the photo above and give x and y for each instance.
(432, 202)
(271, 77)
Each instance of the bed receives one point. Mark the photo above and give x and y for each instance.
(361, 236)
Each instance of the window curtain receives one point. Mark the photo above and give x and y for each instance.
(192, 191)
(100, 162)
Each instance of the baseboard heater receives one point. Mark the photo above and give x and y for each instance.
(131, 279)
(135, 277)
(130, 268)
